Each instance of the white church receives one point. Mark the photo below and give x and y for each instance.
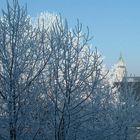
(121, 77)
(121, 72)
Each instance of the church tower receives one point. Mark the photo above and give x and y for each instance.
(120, 70)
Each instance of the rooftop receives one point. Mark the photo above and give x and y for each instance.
(133, 79)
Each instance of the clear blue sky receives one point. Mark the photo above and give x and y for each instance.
(115, 24)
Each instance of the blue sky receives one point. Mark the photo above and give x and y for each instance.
(115, 25)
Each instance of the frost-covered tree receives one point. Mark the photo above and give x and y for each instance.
(72, 74)
(115, 110)
(124, 109)
(23, 57)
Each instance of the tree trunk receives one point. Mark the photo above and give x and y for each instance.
(13, 134)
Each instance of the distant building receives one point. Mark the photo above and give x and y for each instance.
(122, 77)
